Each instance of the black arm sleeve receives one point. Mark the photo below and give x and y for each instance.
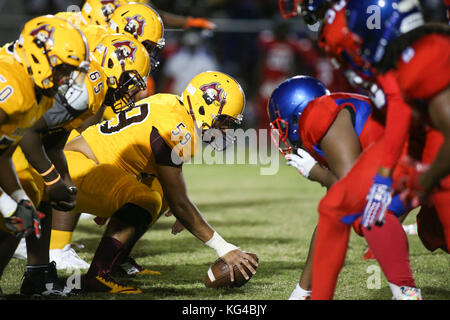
(161, 151)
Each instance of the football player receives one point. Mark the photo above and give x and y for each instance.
(108, 160)
(32, 70)
(413, 67)
(116, 75)
(322, 135)
(145, 25)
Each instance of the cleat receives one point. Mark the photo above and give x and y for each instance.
(67, 258)
(106, 283)
(408, 293)
(43, 282)
(369, 255)
(21, 251)
(131, 268)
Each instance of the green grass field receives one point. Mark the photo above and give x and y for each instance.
(272, 216)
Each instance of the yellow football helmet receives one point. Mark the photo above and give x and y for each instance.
(215, 101)
(126, 65)
(143, 23)
(100, 11)
(51, 48)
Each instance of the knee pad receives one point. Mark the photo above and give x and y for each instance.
(134, 215)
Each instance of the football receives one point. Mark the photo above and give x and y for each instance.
(218, 275)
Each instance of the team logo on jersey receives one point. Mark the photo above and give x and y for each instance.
(212, 92)
(125, 49)
(43, 34)
(135, 25)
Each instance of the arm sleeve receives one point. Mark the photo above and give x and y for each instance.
(61, 112)
(398, 121)
(161, 151)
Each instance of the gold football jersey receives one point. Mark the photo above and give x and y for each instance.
(124, 141)
(18, 100)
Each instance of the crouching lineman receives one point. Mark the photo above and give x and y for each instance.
(118, 67)
(107, 160)
(143, 24)
(32, 70)
(330, 131)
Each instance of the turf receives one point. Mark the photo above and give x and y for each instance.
(272, 216)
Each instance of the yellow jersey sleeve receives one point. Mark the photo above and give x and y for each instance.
(18, 101)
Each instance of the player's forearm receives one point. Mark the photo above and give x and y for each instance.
(33, 149)
(190, 217)
(55, 153)
(398, 122)
(173, 20)
(325, 177)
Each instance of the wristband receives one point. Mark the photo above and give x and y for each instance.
(19, 195)
(220, 245)
(7, 205)
(51, 176)
(48, 171)
(382, 180)
(53, 181)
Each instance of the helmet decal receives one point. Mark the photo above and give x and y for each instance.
(43, 34)
(125, 49)
(212, 92)
(135, 25)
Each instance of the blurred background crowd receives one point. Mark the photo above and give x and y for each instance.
(251, 42)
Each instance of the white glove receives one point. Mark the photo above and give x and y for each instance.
(303, 162)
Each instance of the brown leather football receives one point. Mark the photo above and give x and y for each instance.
(218, 275)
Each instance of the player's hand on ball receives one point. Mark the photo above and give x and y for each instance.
(239, 259)
(302, 161)
(62, 197)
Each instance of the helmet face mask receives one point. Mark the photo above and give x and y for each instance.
(153, 50)
(279, 132)
(129, 85)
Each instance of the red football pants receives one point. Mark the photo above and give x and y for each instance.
(341, 200)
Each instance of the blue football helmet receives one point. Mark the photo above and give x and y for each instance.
(376, 23)
(285, 106)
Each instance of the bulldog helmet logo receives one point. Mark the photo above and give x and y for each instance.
(43, 35)
(135, 25)
(212, 92)
(125, 49)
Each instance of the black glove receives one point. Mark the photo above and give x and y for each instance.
(62, 197)
(25, 220)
